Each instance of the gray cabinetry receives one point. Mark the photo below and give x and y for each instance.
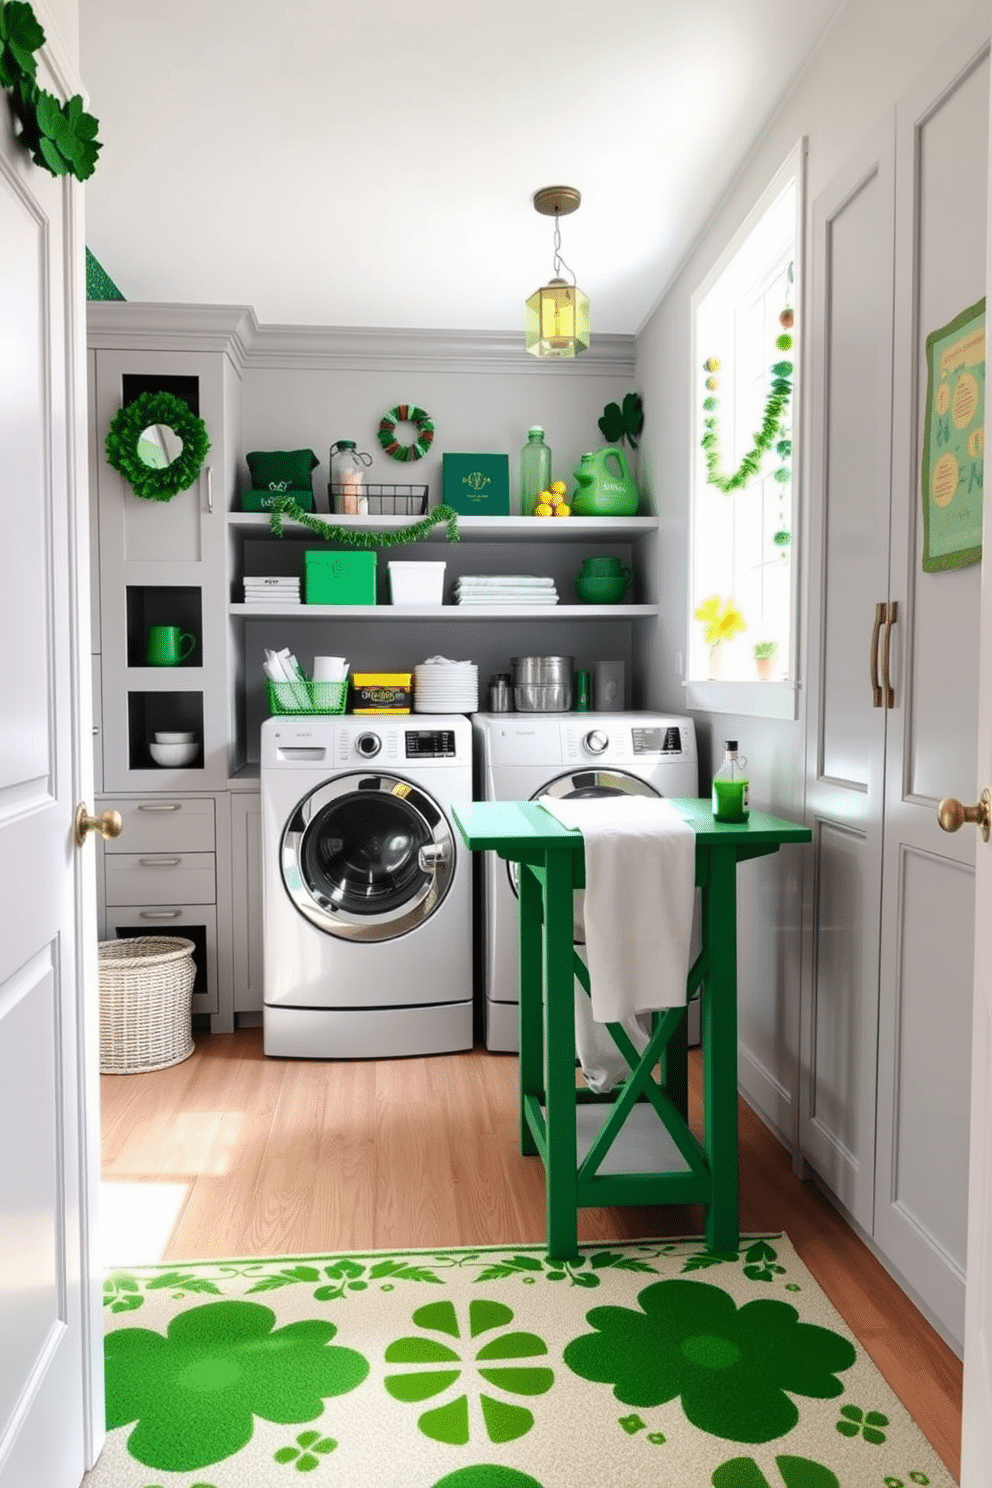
(899, 249)
(160, 877)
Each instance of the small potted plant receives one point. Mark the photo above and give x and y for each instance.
(764, 653)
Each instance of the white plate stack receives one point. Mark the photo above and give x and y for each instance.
(443, 686)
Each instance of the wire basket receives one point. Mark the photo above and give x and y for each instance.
(383, 500)
(146, 999)
(307, 697)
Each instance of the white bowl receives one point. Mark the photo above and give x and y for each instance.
(189, 738)
(174, 754)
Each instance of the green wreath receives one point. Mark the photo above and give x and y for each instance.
(405, 413)
(126, 429)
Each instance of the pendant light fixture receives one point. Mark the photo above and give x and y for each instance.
(558, 312)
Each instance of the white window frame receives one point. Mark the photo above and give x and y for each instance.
(756, 699)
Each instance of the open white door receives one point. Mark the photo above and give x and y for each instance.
(976, 1446)
(50, 1400)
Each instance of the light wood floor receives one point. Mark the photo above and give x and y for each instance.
(289, 1157)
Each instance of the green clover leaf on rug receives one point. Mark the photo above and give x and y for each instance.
(731, 1366)
(441, 1366)
(487, 1475)
(195, 1391)
(797, 1472)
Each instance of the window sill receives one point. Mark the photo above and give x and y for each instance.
(748, 699)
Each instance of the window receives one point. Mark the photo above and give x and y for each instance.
(746, 323)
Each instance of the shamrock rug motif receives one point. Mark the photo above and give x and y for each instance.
(645, 1364)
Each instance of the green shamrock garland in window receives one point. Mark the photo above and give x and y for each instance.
(60, 136)
(770, 432)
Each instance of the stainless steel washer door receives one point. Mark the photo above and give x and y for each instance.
(367, 856)
(579, 784)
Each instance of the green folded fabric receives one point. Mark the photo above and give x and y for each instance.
(289, 469)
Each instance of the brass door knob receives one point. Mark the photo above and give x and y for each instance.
(110, 824)
(951, 814)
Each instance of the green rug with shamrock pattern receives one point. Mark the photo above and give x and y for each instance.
(655, 1363)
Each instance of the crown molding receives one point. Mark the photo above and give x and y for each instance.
(235, 329)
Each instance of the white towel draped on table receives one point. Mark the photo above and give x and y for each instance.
(640, 875)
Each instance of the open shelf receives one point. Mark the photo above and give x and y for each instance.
(475, 529)
(446, 613)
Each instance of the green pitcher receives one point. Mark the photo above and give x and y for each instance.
(604, 487)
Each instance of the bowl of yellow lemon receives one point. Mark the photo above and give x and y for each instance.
(552, 503)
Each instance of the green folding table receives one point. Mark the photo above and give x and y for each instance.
(551, 865)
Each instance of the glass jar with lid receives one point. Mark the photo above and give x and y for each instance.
(348, 466)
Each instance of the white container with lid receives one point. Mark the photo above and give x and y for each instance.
(416, 583)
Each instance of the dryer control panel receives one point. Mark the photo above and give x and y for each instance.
(430, 744)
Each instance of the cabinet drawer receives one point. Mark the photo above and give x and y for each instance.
(164, 824)
(161, 878)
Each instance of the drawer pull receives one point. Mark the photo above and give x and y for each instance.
(160, 862)
(159, 914)
(160, 805)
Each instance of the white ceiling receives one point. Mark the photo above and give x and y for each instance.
(363, 163)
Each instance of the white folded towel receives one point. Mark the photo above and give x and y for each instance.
(640, 876)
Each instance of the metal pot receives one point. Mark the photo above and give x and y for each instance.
(543, 684)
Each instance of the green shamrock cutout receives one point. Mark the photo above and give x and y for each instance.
(623, 421)
(857, 1422)
(302, 1455)
(735, 1369)
(441, 1366)
(195, 1391)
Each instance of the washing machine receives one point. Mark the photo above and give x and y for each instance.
(524, 755)
(366, 888)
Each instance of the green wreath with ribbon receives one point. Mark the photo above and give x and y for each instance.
(406, 413)
(156, 483)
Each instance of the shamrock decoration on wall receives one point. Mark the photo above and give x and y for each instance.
(623, 421)
(60, 136)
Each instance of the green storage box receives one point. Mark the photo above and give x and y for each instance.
(262, 500)
(333, 577)
(477, 485)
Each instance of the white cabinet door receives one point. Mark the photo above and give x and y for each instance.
(925, 987)
(851, 330)
(47, 950)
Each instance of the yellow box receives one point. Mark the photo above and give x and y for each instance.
(381, 692)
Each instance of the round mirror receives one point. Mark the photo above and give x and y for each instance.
(158, 446)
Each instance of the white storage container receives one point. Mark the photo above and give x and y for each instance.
(416, 583)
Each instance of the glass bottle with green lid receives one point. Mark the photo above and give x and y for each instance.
(535, 470)
(730, 786)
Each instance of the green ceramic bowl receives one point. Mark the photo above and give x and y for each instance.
(593, 589)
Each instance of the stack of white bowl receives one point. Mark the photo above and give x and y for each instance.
(177, 750)
(443, 686)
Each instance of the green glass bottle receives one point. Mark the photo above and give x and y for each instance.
(535, 470)
(730, 786)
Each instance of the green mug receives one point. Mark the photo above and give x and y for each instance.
(602, 568)
(168, 645)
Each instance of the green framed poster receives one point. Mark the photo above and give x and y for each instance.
(954, 442)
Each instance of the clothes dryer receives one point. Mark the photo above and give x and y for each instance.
(366, 889)
(521, 756)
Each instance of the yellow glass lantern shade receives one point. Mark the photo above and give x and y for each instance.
(557, 320)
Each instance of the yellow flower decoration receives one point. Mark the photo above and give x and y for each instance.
(722, 620)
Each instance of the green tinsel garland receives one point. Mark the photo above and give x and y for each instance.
(60, 136)
(286, 506)
(771, 424)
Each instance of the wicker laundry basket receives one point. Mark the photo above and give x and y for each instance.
(146, 990)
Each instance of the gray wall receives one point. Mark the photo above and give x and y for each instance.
(875, 50)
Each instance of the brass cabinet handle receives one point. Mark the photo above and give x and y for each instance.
(891, 616)
(110, 824)
(876, 691)
(952, 815)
